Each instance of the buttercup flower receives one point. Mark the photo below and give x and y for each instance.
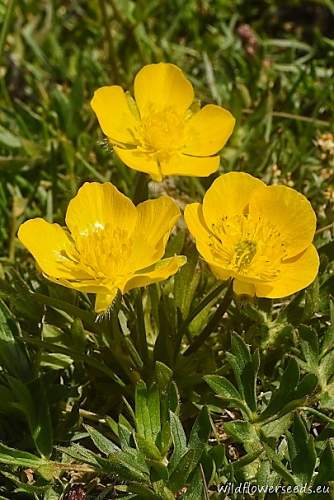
(109, 243)
(158, 132)
(260, 236)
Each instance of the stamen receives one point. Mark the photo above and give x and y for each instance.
(248, 245)
(161, 133)
(244, 253)
(104, 251)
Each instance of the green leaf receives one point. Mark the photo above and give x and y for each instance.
(301, 450)
(245, 368)
(279, 466)
(225, 390)
(148, 449)
(167, 344)
(195, 488)
(312, 301)
(199, 434)
(180, 475)
(11, 456)
(128, 466)
(186, 282)
(55, 361)
(143, 421)
(204, 307)
(179, 441)
(326, 398)
(143, 492)
(78, 335)
(222, 387)
(326, 368)
(13, 357)
(31, 400)
(25, 487)
(265, 477)
(8, 139)
(245, 433)
(147, 403)
(306, 386)
(326, 466)
(277, 427)
(176, 242)
(163, 375)
(173, 397)
(290, 392)
(81, 454)
(242, 462)
(328, 341)
(101, 442)
(310, 346)
(153, 404)
(138, 329)
(42, 431)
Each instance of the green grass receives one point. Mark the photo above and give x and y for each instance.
(60, 369)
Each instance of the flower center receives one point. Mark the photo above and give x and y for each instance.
(104, 251)
(161, 133)
(248, 246)
(244, 253)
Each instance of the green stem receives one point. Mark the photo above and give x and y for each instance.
(213, 322)
(203, 304)
(318, 414)
(325, 228)
(291, 116)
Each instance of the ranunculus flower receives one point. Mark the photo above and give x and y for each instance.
(158, 132)
(109, 243)
(260, 236)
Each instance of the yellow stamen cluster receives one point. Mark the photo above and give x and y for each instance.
(161, 134)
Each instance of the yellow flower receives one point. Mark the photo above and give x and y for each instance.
(109, 244)
(158, 133)
(260, 236)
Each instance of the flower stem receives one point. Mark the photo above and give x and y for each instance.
(213, 322)
(212, 295)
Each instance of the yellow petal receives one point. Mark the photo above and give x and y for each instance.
(52, 248)
(220, 273)
(97, 205)
(193, 216)
(195, 166)
(290, 212)
(139, 161)
(104, 300)
(156, 219)
(295, 274)
(243, 288)
(90, 285)
(208, 130)
(161, 86)
(229, 195)
(159, 272)
(116, 120)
